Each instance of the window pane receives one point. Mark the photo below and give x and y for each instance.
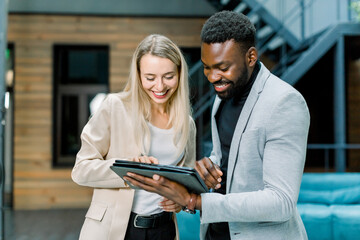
(81, 64)
(70, 142)
(80, 73)
(86, 67)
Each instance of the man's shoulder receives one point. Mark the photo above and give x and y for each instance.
(275, 85)
(277, 91)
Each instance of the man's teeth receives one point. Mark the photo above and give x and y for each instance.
(221, 86)
(160, 93)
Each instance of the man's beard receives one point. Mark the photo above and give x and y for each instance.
(235, 88)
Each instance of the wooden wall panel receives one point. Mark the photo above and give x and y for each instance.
(37, 185)
(353, 110)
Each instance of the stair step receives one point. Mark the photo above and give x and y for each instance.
(264, 32)
(240, 8)
(224, 2)
(275, 43)
(254, 18)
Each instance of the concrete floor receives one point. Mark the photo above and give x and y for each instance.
(64, 224)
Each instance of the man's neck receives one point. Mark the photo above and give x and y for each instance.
(244, 92)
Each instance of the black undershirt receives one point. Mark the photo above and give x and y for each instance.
(226, 119)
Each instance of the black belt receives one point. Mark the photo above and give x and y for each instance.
(150, 221)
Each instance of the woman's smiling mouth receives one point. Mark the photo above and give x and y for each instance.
(160, 94)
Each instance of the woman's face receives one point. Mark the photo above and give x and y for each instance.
(159, 78)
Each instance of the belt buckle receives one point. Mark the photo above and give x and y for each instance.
(136, 218)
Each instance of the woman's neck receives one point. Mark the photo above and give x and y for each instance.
(159, 118)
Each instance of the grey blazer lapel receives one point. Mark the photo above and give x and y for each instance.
(214, 129)
(254, 94)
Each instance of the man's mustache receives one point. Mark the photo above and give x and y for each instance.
(221, 81)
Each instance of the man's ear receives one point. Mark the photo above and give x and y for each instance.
(252, 56)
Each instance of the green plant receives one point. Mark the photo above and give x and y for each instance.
(355, 5)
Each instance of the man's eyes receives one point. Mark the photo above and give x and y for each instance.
(223, 69)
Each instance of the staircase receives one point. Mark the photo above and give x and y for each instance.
(290, 56)
(273, 40)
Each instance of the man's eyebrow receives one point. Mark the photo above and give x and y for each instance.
(216, 64)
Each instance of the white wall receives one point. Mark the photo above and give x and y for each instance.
(319, 14)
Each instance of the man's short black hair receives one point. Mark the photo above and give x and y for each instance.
(227, 25)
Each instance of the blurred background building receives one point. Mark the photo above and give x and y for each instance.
(62, 56)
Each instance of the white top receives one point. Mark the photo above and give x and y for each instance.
(162, 147)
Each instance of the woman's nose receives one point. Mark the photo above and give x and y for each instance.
(159, 84)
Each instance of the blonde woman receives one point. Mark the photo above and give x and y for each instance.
(149, 122)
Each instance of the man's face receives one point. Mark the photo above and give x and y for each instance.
(225, 67)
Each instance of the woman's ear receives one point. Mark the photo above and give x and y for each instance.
(252, 56)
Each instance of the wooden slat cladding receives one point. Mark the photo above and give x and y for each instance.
(353, 110)
(36, 184)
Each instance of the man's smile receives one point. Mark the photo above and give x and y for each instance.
(221, 86)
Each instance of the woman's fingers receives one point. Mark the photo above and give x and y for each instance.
(145, 159)
(170, 206)
(153, 160)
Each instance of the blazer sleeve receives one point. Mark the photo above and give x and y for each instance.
(91, 168)
(283, 162)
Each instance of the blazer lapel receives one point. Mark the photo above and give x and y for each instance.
(243, 120)
(214, 129)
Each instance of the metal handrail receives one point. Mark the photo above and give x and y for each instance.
(290, 17)
(331, 146)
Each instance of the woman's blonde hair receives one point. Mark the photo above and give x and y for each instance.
(178, 106)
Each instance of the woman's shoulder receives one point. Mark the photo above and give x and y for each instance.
(114, 102)
(116, 98)
(192, 124)
(191, 119)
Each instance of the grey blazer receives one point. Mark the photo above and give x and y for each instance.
(265, 167)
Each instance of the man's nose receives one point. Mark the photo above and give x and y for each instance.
(213, 76)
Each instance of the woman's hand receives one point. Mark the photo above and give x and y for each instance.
(145, 159)
(169, 205)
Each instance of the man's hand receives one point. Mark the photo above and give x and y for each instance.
(162, 186)
(209, 172)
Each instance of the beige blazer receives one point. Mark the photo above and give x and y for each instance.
(106, 137)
